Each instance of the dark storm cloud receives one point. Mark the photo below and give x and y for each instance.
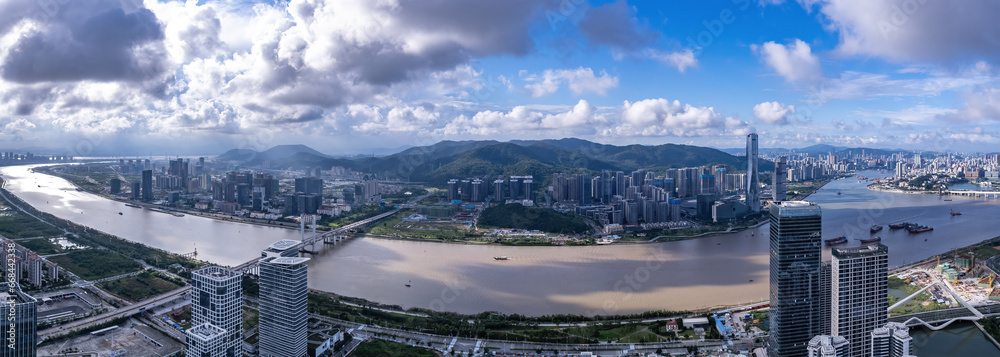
(614, 25)
(497, 27)
(104, 45)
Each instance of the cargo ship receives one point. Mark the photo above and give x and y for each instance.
(871, 240)
(953, 213)
(836, 241)
(875, 228)
(133, 205)
(500, 258)
(919, 229)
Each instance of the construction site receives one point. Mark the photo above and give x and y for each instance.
(971, 278)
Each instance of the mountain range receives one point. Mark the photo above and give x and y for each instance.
(437, 163)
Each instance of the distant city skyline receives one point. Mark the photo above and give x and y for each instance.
(208, 76)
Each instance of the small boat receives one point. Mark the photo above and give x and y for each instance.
(407, 285)
(838, 192)
(947, 199)
(120, 214)
(751, 280)
(953, 213)
(875, 228)
(836, 241)
(500, 258)
(871, 240)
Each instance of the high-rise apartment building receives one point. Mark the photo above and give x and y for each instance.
(795, 257)
(283, 303)
(859, 289)
(217, 300)
(753, 180)
(20, 322)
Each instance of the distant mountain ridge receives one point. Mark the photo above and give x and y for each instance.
(818, 149)
(437, 163)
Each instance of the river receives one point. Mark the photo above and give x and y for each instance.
(725, 269)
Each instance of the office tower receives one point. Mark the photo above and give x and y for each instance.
(20, 321)
(779, 183)
(309, 185)
(796, 252)
(466, 190)
(283, 303)
(859, 288)
(828, 346)
(892, 340)
(619, 188)
(753, 181)
(217, 301)
(116, 186)
(147, 185)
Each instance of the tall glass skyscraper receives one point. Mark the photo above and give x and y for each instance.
(283, 315)
(217, 300)
(860, 286)
(24, 324)
(753, 180)
(796, 297)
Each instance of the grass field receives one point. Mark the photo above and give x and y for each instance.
(93, 264)
(41, 246)
(919, 303)
(140, 287)
(14, 224)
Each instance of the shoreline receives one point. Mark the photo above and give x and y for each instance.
(294, 227)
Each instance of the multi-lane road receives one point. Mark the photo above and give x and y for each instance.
(125, 311)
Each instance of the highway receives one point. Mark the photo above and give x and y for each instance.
(465, 344)
(125, 311)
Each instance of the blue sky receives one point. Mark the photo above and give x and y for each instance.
(350, 76)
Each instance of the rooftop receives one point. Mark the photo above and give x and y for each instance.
(205, 331)
(216, 273)
(288, 260)
(795, 209)
(283, 244)
(862, 251)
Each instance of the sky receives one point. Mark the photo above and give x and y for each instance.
(89, 77)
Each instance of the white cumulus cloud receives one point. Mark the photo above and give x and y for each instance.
(773, 113)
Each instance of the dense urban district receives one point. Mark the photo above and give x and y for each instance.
(75, 291)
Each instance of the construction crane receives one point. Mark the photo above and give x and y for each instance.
(986, 281)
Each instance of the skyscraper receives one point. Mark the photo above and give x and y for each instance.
(893, 340)
(283, 303)
(147, 185)
(859, 289)
(217, 301)
(779, 181)
(23, 321)
(753, 181)
(828, 346)
(796, 253)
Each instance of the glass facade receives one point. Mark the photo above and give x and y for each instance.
(795, 283)
(283, 307)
